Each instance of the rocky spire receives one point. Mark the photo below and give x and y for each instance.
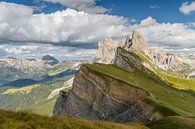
(106, 50)
(135, 42)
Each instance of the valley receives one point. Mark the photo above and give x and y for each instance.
(32, 91)
(128, 83)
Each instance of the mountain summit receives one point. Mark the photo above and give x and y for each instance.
(135, 42)
(152, 58)
(130, 82)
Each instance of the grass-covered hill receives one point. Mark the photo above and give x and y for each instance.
(167, 99)
(167, 89)
(171, 99)
(174, 122)
(25, 120)
(30, 97)
(34, 96)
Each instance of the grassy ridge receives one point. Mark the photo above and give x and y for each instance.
(45, 107)
(178, 82)
(62, 66)
(24, 120)
(180, 102)
(174, 122)
(29, 97)
(172, 77)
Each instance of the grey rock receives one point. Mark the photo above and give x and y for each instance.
(93, 97)
(107, 50)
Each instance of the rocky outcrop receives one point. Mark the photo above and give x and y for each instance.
(104, 98)
(136, 44)
(100, 97)
(106, 50)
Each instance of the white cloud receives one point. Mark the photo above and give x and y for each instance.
(148, 21)
(177, 37)
(34, 50)
(71, 27)
(18, 23)
(187, 7)
(81, 5)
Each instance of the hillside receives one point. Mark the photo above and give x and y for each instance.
(134, 83)
(162, 94)
(175, 122)
(29, 94)
(24, 120)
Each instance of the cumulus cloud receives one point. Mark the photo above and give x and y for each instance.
(70, 28)
(81, 5)
(18, 23)
(149, 21)
(177, 37)
(187, 7)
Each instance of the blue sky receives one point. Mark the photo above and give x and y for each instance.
(77, 25)
(163, 10)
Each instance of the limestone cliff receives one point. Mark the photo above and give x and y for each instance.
(106, 50)
(135, 43)
(100, 97)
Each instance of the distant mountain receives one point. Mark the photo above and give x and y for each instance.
(12, 69)
(47, 59)
(170, 62)
(34, 93)
(130, 82)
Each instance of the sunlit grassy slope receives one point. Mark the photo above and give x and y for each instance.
(22, 90)
(174, 78)
(45, 107)
(62, 66)
(167, 99)
(174, 122)
(32, 97)
(24, 120)
(179, 82)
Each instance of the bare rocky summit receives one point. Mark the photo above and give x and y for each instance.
(107, 50)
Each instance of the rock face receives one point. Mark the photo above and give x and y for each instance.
(100, 97)
(107, 49)
(93, 97)
(136, 44)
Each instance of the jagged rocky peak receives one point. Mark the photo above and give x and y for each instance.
(107, 53)
(106, 50)
(135, 42)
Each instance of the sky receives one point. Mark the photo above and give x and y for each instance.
(71, 29)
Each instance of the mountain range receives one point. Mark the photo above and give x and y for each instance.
(33, 84)
(129, 86)
(130, 82)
